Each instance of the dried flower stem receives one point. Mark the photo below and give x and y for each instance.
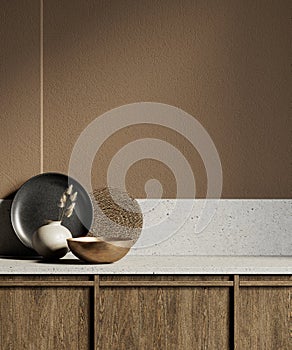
(67, 203)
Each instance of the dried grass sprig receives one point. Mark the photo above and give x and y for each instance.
(70, 210)
(67, 203)
(69, 190)
(73, 197)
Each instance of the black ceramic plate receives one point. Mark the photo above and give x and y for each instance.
(37, 201)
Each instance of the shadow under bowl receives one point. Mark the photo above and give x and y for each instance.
(99, 251)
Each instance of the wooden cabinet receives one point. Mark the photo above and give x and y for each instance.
(146, 312)
(45, 317)
(265, 313)
(164, 313)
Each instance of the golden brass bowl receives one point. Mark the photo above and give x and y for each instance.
(97, 250)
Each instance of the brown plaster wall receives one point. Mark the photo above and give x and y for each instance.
(227, 63)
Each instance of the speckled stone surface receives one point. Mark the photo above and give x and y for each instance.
(238, 227)
(153, 265)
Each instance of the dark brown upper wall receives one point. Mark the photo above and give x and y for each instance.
(227, 63)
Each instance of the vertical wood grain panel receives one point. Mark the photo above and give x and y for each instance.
(19, 93)
(225, 62)
(44, 318)
(118, 319)
(164, 318)
(264, 318)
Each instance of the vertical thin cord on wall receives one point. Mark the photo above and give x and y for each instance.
(41, 86)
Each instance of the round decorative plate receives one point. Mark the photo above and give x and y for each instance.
(37, 202)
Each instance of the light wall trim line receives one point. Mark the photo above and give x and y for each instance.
(41, 86)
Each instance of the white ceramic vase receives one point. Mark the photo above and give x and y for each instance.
(50, 240)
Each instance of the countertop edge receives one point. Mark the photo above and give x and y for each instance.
(154, 265)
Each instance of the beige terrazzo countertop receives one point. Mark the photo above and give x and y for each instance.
(70, 265)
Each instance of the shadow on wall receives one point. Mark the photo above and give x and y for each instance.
(10, 245)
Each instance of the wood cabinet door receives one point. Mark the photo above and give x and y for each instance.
(265, 316)
(44, 318)
(162, 317)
